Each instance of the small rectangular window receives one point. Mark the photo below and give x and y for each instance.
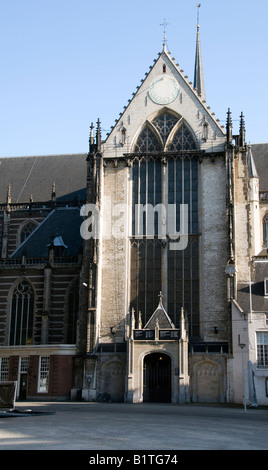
(43, 375)
(24, 364)
(266, 286)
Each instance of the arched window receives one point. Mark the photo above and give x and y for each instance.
(26, 230)
(161, 134)
(164, 123)
(182, 140)
(147, 141)
(72, 313)
(22, 311)
(265, 230)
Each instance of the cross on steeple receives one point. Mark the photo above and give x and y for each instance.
(165, 24)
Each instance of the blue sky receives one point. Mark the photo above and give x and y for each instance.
(66, 63)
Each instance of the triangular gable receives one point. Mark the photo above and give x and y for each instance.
(159, 318)
(140, 108)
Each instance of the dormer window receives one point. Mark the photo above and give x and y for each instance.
(59, 246)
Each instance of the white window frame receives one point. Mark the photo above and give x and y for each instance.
(266, 286)
(24, 364)
(43, 375)
(4, 368)
(262, 349)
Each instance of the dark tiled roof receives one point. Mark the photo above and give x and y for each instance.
(36, 175)
(260, 155)
(64, 222)
(259, 301)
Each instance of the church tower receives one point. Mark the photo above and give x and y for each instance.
(159, 185)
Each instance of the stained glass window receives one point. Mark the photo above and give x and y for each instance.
(73, 306)
(182, 140)
(22, 310)
(172, 181)
(164, 123)
(155, 136)
(26, 230)
(147, 141)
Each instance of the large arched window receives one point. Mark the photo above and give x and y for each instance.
(156, 183)
(182, 140)
(147, 141)
(166, 132)
(21, 315)
(265, 230)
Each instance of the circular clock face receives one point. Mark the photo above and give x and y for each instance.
(164, 89)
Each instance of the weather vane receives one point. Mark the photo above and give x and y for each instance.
(165, 24)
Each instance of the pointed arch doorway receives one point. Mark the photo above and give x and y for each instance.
(157, 378)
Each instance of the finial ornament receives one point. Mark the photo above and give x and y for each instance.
(198, 7)
(160, 296)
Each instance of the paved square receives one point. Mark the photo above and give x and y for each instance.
(119, 426)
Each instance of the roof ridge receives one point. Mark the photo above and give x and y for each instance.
(46, 155)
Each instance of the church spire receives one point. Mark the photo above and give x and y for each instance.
(198, 71)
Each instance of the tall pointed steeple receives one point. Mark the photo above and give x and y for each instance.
(199, 83)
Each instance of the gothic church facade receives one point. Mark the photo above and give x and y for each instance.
(135, 281)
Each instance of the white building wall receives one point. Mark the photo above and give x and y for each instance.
(245, 327)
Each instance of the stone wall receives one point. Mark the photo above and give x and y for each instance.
(113, 301)
(213, 252)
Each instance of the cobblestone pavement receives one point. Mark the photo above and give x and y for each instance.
(119, 426)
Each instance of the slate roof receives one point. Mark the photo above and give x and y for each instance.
(161, 317)
(36, 175)
(62, 222)
(260, 156)
(259, 301)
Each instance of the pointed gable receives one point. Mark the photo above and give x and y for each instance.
(165, 86)
(159, 318)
